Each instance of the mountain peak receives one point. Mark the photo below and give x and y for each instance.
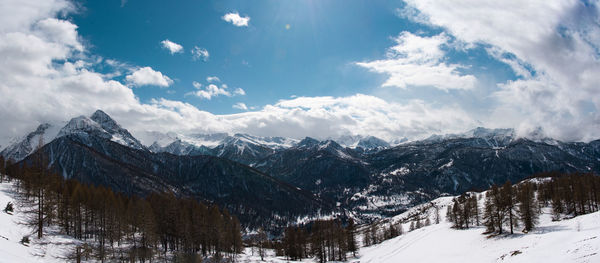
(372, 142)
(83, 125)
(101, 125)
(103, 119)
(308, 142)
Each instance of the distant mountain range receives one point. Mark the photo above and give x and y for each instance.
(277, 179)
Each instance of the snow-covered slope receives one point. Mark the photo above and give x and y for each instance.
(51, 248)
(569, 240)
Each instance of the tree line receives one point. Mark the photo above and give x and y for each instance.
(510, 206)
(571, 194)
(119, 227)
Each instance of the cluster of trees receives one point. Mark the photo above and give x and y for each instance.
(123, 227)
(375, 234)
(505, 206)
(326, 240)
(571, 194)
(463, 212)
(511, 206)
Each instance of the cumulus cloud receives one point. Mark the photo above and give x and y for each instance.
(171, 46)
(210, 91)
(213, 90)
(419, 61)
(235, 19)
(148, 76)
(240, 106)
(200, 53)
(552, 46)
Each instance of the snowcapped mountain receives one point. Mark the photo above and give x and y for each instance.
(239, 147)
(366, 143)
(96, 150)
(363, 174)
(249, 149)
(491, 137)
(119, 134)
(20, 148)
(100, 125)
(329, 146)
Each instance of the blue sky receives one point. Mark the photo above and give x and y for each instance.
(314, 56)
(392, 69)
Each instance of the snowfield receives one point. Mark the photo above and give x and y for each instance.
(574, 240)
(569, 240)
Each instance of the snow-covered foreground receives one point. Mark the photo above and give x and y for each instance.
(573, 240)
(51, 248)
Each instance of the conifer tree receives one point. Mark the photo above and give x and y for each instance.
(508, 201)
(489, 213)
(499, 208)
(437, 213)
(526, 208)
(449, 215)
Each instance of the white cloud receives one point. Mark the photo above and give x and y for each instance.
(59, 31)
(553, 47)
(147, 76)
(235, 19)
(239, 91)
(171, 46)
(323, 117)
(213, 79)
(418, 61)
(211, 91)
(200, 53)
(240, 106)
